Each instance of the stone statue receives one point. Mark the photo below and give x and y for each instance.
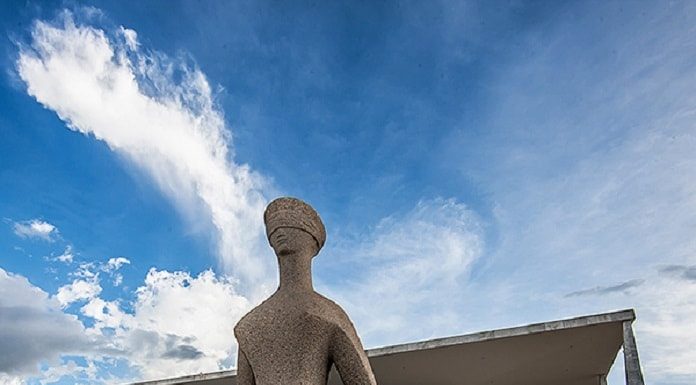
(295, 335)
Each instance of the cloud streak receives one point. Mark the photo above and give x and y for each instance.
(604, 290)
(107, 87)
(682, 271)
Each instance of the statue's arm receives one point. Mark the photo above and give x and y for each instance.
(349, 357)
(245, 376)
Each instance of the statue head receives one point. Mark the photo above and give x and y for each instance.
(293, 226)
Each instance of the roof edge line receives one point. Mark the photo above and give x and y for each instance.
(589, 320)
(190, 377)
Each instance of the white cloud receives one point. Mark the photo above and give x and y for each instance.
(203, 308)
(69, 369)
(406, 279)
(6, 379)
(35, 228)
(118, 279)
(180, 324)
(79, 289)
(115, 263)
(106, 314)
(111, 89)
(67, 256)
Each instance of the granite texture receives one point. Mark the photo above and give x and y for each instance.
(296, 335)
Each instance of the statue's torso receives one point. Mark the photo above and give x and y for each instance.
(287, 339)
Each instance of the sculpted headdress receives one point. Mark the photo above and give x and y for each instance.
(294, 213)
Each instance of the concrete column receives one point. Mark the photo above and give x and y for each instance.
(634, 376)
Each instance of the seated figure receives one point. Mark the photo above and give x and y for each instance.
(295, 335)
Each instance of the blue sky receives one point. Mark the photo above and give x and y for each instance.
(477, 164)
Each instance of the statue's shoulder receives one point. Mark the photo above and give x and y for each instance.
(330, 311)
(251, 320)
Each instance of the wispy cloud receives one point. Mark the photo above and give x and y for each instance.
(603, 290)
(593, 181)
(105, 85)
(405, 279)
(36, 228)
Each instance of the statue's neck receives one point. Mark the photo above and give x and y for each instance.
(295, 273)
